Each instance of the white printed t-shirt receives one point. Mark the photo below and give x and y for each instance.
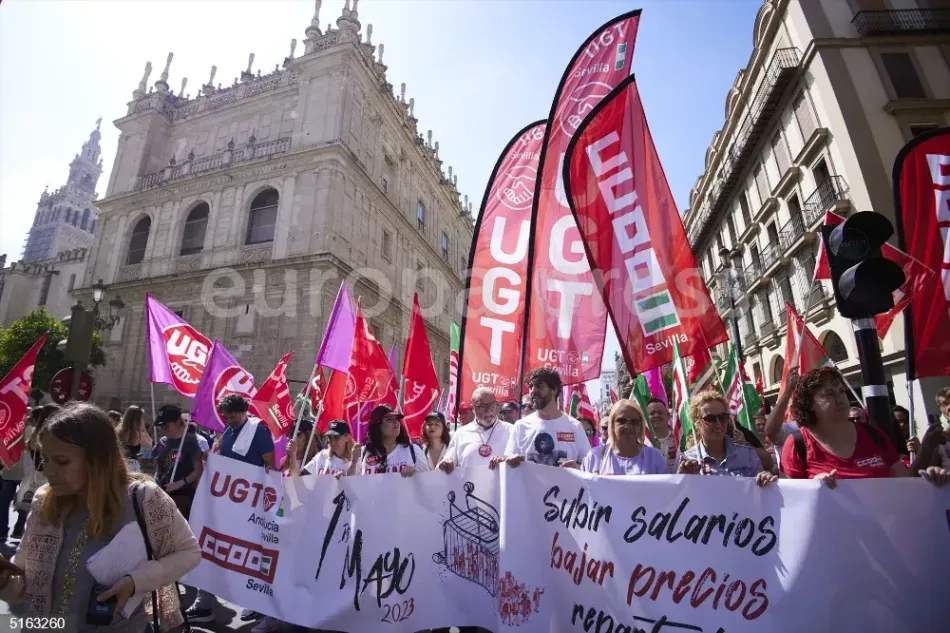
(398, 460)
(326, 464)
(465, 447)
(548, 441)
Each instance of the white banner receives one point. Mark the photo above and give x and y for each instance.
(573, 552)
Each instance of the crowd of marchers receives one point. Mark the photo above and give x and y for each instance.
(80, 479)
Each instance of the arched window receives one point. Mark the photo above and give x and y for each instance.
(834, 347)
(263, 219)
(75, 217)
(67, 216)
(85, 219)
(139, 241)
(778, 368)
(193, 238)
(92, 226)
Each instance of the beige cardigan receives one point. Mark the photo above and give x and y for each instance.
(175, 548)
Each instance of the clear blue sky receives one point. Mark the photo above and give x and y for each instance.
(479, 70)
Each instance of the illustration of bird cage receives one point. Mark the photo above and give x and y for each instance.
(470, 541)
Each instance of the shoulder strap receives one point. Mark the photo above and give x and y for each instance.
(140, 518)
(412, 449)
(800, 448)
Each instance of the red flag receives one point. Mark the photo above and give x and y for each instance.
(922, 210)
(493, 321)
(916, 275)
(613, 396)
(14, 399)
(273, 402)
(317, 387)
(760, 387)
(421, 390)
(635, 237)
(567, 322)
(811, 355)
(370, 372)
(333, 400)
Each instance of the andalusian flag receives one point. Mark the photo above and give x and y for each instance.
(452, 398)
(744, 400)
(579, 404)
(682, 425)
(641, 394)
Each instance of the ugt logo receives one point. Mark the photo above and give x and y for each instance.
(187, 352)
(240, 490)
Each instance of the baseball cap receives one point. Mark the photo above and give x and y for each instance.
(338, 428)
(167, 413)
(376, 415)
(436, 414)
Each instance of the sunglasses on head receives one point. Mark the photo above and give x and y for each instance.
(714, 418)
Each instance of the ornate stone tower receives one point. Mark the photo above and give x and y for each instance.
(66, 218)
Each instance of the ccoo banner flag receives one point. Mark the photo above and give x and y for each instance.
(494, 314)
(922, 209)
(624, 209)
(566, 318)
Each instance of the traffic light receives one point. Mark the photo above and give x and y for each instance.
(864, 280)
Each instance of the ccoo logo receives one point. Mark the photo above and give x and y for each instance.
(187, 352)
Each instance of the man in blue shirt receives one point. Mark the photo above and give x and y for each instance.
(255, 446)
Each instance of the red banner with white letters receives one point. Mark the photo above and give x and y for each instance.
(273, 402)
(493, 321)
(566, 317)
(634, 236)
(14, 399)
(922, 209)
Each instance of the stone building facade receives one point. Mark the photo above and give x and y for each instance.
(47, 283)
(243, 208)
(831, 93)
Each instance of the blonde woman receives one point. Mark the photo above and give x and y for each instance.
(625, 453)
(716, 453)
(133, 437)
(90, 497)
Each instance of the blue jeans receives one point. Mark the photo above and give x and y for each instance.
(8, 490)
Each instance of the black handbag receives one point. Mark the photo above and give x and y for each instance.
(151, 556)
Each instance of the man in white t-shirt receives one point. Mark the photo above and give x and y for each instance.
(659, 415)
(475, 444)
(548, 436)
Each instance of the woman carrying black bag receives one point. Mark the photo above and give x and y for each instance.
(91, 496)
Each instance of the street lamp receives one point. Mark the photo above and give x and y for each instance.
(83, 324)
(732, 283)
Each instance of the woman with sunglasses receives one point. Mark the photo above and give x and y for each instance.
(625, 453)
(590, 429)
(715, 453)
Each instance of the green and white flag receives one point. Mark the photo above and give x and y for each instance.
(641, 394)
(682, 425)
(744, 400)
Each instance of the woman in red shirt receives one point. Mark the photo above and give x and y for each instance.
(835, 448)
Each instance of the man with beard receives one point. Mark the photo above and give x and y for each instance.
(547, 436)
(475, 444)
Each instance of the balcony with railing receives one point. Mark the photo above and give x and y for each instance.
(827, 195)
(902, 22)
(222, 160)
(776, 78)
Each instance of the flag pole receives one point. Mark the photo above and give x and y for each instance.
(313, 431)
(181, 445)
(306, 394)
(154, 415)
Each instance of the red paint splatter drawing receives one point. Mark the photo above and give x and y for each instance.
(516, 602)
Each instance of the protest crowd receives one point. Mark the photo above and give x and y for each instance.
(81, 480)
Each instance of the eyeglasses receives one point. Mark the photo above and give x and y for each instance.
(620, 420)
(854, 418)
(717, 418)
(483, 406)
(589, 432)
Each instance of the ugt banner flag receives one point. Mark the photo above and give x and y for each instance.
(273, 402)
(421, 383)
(223, 376)
(566, 318)
(14, 398)
(494, 315)
(922, 210)
(177, 352)
(635, 237)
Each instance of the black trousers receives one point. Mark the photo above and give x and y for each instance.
(8, 490)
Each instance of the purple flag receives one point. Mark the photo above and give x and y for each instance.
(655, 383)
(177, 352)
(337, 342)
(223, 375)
